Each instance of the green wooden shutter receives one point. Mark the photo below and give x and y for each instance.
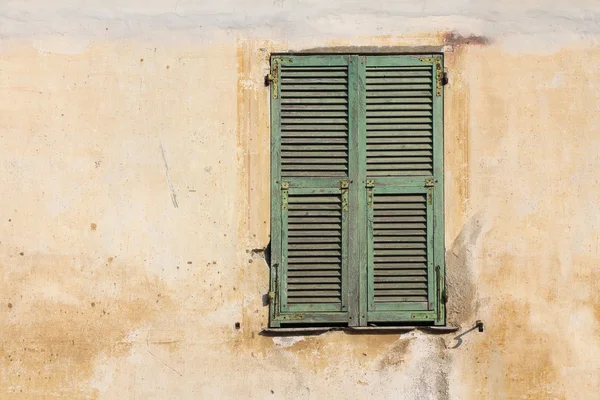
(310, 172)
(357, 190)
(404, 166)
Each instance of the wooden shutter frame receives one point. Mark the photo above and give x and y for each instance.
(357, 285)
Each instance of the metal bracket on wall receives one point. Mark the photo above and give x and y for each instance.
(273, 78)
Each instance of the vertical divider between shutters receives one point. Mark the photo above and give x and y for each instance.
(345, 249)
(361, 210)
(276, 206)
(438, 197)
(353, 289)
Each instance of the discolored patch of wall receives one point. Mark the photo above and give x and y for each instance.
(63, 313)
(532, 146)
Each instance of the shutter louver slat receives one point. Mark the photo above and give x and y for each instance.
(399, 121)
(399, 248)
(314, 121)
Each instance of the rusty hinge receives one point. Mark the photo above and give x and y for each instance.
(292, 317)
(284, 195)
(273, 78)
(441, 291)
(370, 185)
(439, 73)
(444, 78)
(272, 295)
(344, 185)
(268, 79)
(429, 183)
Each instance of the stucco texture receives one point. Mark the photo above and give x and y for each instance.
(134, 167)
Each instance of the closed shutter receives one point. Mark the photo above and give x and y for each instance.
(403, 137)
(310, 105)
(357, 190)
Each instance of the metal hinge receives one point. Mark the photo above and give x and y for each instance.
(284, 195)
(444, 79)
(344, 185)
(438, 73)
(370, 185)
(441, 291)
(274, 78)
(272, 295)
(268, 79)
(429, 183)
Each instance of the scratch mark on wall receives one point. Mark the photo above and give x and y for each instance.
(164, 363)
(168, 176)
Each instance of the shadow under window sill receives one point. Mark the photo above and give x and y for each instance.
(377, 330)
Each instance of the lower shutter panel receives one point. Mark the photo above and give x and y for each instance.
(400, 229)
(315, 248)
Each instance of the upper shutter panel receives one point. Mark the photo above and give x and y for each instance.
(399, 120)
(314, 120)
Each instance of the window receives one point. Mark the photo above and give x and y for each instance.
(357, 223)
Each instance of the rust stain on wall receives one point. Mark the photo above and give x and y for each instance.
(396, 355)
(66, 312)
(253, 139)
(454, 38)
(586, 273)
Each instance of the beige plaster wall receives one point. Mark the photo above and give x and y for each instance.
(134, 163)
